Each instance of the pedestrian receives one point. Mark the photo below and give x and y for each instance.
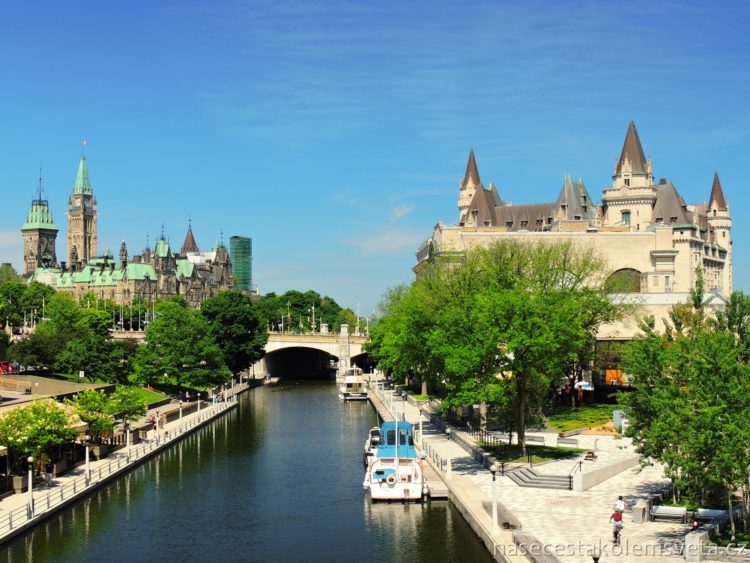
(620, 504)
(48, 468)
(616, 519)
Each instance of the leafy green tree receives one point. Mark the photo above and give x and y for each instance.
(179, 350)
(293, 308)
(8, 273)
(11, 306)
(689, 409)
(34, 429)
(127, 403)
(504, 327)
(236, 327)
(92, 407)
(41, 348)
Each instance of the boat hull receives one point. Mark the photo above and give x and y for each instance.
(349, 396)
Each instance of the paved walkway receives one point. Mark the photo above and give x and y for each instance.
(65, 489)
(570, 523)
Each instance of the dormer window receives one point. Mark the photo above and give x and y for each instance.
(524, 224)
(627, 181)
(673, 219)
(509, 224)
(486, 223)
(577, 217)
(540, 222)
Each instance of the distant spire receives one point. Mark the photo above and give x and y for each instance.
(632, 151)
(82, 185)
(472, 172)
(39, 191)
(162, 231)
(717, 194)
(189, 245)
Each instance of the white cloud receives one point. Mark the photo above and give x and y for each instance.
(388, 240)
(401, 211)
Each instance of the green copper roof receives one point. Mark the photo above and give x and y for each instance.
(184, 268)
(39, 217)
(82, 185)
(137, 271)
(162, 248)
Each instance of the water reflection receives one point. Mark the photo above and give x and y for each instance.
(279, 479)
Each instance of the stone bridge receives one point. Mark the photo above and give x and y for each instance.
(300, 355)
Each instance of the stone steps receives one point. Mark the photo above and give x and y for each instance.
(527, 477)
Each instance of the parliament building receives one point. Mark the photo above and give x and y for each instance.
(152, 275)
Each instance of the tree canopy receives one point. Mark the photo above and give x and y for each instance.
(505, 326)
(180, 350)
(690, 407)
(294, 310)
(235, 325)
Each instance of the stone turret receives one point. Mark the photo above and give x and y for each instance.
(82, 216)
(39, 235)
(468, 186)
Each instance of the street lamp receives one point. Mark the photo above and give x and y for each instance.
(87, 443)
(494, 469)
(180, 410)
(30, 460)
(448, 432)
(127, 440)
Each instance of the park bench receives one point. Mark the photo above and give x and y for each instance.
(535, 439)
(708, 514)
(567, 442)
(669, 513)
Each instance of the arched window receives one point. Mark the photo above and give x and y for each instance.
(626, 280)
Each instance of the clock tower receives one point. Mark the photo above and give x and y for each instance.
(82, 218)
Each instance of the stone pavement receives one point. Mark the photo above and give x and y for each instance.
(569, 523)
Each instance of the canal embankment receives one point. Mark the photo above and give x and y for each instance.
(445, 458)
(20, 513)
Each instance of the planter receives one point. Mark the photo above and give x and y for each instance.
(20, 483)
(99, 451)
(59, 467)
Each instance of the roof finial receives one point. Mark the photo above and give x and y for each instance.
(162, 231)
(83, 148)
(221, 236)
(39, 188)
(147, 241)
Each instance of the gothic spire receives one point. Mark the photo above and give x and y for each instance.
(189, 245)
(472, 172)
(82, 185)
(717, 195)
(633, 152)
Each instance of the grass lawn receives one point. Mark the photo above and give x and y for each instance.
(538, 453)
(148, 396)
(563, 419)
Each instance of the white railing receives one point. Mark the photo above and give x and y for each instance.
(47, 500)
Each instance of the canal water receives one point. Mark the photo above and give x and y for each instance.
(279, 479)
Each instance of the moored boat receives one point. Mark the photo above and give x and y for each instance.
(371, 444)
(395, 472)
(353, 387)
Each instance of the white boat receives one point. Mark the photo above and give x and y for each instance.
(395, 472)
(371, 444)
(353, 387)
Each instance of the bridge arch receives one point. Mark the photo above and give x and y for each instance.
(300, 362)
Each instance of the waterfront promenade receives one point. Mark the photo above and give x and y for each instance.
(569, 525)
(16, 515)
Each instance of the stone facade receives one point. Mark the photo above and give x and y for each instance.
(150, 276)
(643, 228)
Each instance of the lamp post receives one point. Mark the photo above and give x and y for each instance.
(30, 460)
(180, 409)
(127, 440)
(87, 443)
(494, 469)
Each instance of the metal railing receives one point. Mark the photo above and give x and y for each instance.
(47, 500)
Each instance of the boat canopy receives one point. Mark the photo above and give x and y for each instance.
(397, 440)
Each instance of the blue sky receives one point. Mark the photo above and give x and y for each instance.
(334, 133)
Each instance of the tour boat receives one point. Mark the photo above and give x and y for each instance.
(395, 472)
(371, 444)
(353, 387)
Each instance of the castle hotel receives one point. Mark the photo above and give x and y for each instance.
(652, 240)
(153, 275)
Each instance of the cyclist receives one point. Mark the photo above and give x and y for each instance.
(617, 528)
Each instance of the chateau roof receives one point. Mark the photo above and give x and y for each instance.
(472, 172)
(82, 185)
(481, 209)
(717, 195)
(632, 151)
(670, 207)
(162, 248)
(575, 201)
(531, 213)
(189, 245)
